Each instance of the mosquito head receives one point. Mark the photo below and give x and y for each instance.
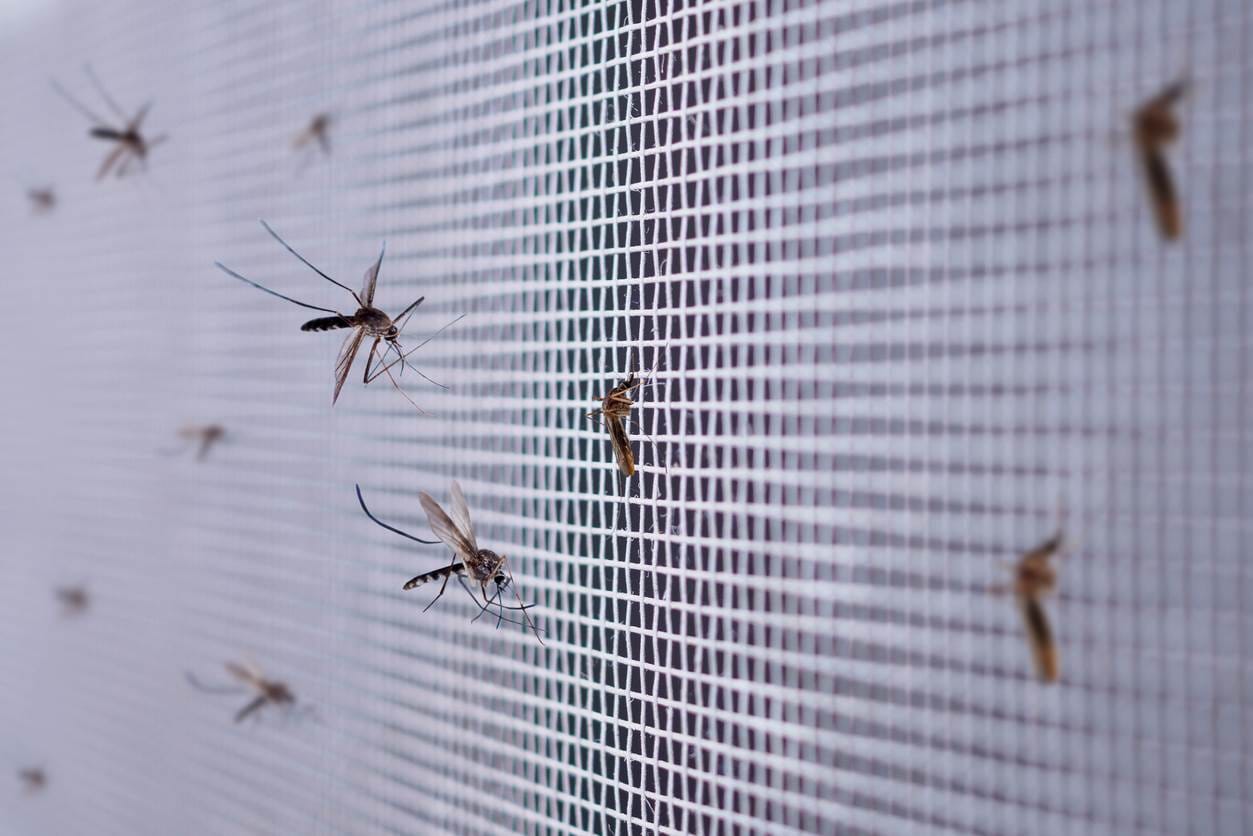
(391, 334)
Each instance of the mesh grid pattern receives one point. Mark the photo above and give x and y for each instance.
(893, 267)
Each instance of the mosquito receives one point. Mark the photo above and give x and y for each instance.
(206, 436)
(34, 779)
(268, 691)
(1035, 577)
(42, 201)
(318, 131)
(1155, 126)
(368, 321)
(129, 141)
(479, 565)
(615, 407)
(74, 599)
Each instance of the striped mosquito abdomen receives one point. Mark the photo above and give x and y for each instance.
(434, 575)
(327, 323)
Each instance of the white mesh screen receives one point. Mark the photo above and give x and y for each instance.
(895, 268)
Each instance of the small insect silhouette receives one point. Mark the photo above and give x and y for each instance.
(42, 201)
(481, 566)
(74, 600)
(318, 131)
(33, 779)
(1155, 126)
(1035, 577)
(268, 691)
(615, 409)
(127, 135)
(204, 436)
(368, 321)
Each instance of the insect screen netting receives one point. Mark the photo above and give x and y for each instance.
(891, 273)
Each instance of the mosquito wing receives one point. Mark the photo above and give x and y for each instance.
(461, 516)
(621, 444)
(1040, 637)
(344, 364)
(371, 280)
(445, 529)
(243, 674)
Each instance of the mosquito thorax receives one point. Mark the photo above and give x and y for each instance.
(374, 321)
(485, 565)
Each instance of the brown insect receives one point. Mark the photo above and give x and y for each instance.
(1155, 126)
(205, 436)
(1035, 577)
(34, 779)
(368, 321)
(42, 201)
(74, 599)
(318, 131)
(481, 566)
(130, 145)
(268, 691)
(616, 409)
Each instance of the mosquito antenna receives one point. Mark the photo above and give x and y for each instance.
(379, 522)
(483, 609)
(76, 104)
(228, 271)
(104, 94)
(307, 263)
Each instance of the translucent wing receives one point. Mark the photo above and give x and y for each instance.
(242, 673)
(1040, 637)
(371, 279)
(445, 529)
(621, 444)
(1162, 193)
(343, 365)
(461, 515)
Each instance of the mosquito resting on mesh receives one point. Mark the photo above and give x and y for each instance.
(203, 436)
(368, 321)
(479, 565)
(1035, 577)
(74, 599)
(1155, 126)
(615, 407)
(33, 779)
(129, 141)
(268, 691)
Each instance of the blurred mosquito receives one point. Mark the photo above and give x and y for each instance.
(368, 321)
(42, 201)
(129, 141)
(74, 600)
(480, 565)
(33, 779)
(615, 408)
(205, 436)
(1035, 577)
(1155, 126)
(318, 132)
(268, 691)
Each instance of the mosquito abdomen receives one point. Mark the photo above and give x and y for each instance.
(327, 323)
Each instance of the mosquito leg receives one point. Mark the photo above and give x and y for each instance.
(442, 587)
(249, 708)
(104, 94)
(211, 689)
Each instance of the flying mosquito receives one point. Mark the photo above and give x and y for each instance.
(1035, 577)
(34, 779)
(74, 599)
(205, 436)
(1155, 126)
(42, 201)
(368, 321)
(269, 691)
(318, 131)
(479, 565)
(129, 142)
